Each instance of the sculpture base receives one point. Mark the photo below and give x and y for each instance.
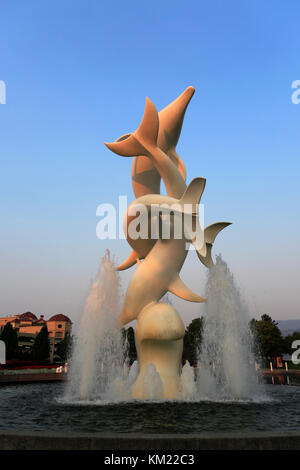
(165, 356)
(159, 343)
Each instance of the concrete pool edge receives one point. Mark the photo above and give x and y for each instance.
(25, 440)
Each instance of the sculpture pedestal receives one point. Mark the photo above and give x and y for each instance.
(159, 341)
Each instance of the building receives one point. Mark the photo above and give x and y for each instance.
(27, 326)
(58, 326)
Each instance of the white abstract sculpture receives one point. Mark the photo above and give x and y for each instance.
(160, 330)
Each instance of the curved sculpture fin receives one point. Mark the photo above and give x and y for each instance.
(210, 234)
(207, 259)
(190, 200)
(130, 261)
(211, 231)
(126, 146)
(193, 192)
(148, 129)
(178, 288)
(131, 145)
(171, 119)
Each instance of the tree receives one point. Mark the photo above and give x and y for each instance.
(288, 341)
(10, 338)
(192, 341)
(269, 340)
(266, 318)
(64, 347)
(41, 345)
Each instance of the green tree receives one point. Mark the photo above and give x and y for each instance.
(192, 341)
(64, 348)
(288, 341)
(10, 338)
(41, 345)
(268, 337)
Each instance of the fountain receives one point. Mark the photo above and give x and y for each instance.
(167, 226)
(144, 406)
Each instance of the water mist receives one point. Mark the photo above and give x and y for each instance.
(98, 356)
(226, 362)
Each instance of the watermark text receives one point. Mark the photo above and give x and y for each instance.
(296, 93)
(154, 221)
(2, 92)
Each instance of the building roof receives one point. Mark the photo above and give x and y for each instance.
(60, 317)
(28, 316)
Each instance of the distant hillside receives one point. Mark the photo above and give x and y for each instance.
(288, 326)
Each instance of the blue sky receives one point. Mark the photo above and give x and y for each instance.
(77, 74)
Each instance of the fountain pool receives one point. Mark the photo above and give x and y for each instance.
(97, 400)
(39, 408)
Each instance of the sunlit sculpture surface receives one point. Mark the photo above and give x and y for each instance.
(159, 329)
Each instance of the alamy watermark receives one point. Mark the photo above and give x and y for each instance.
(296, 354)
(296, 93)
(139, 221)
(2, 92)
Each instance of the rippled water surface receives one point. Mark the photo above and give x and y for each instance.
(38, 407)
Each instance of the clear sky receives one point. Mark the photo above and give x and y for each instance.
(77, 74)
